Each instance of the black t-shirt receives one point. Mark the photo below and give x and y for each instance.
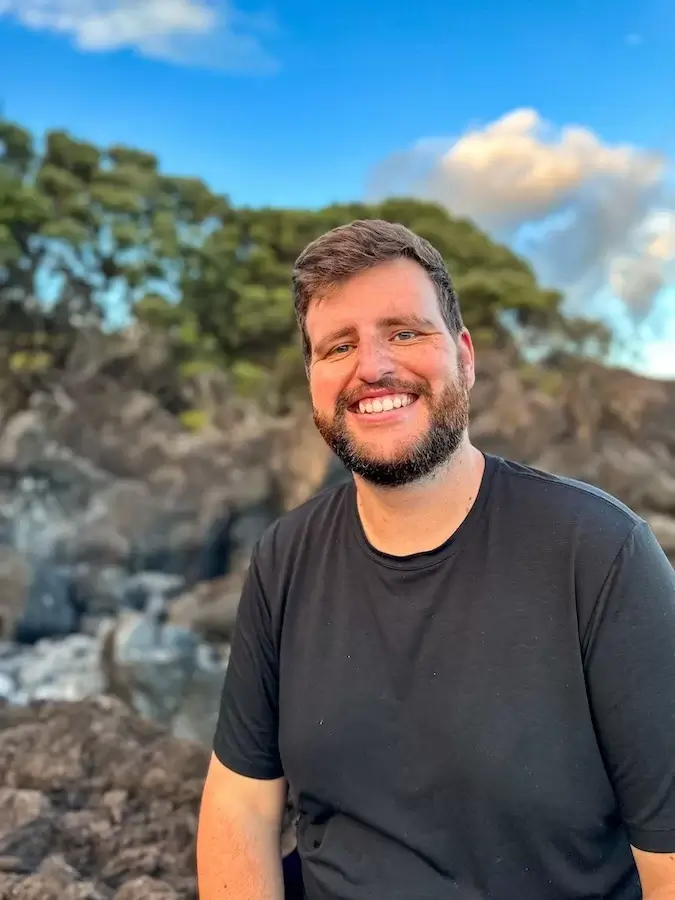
(492, 719)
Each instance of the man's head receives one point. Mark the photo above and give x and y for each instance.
(389, 361)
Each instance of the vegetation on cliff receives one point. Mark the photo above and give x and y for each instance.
(93, 238)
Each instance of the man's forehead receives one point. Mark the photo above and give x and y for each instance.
(338, 309)
(337, 312)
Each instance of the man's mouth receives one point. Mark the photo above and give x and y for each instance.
(383, 403)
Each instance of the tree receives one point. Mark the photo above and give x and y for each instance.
(92, 236)
(93, 228)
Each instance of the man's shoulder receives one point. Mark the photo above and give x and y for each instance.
(549, 498)
(313, 520)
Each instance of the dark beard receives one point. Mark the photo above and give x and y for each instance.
(413, 462)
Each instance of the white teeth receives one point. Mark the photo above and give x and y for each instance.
(385, 404)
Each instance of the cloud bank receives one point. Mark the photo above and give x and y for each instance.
(204, 33)
(594, 219)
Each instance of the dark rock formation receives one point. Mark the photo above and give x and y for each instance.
(210, 608)
(106, 499)
(97, 804)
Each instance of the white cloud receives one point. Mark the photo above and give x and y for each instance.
(638, 276)
(589, 215)
(207, 33)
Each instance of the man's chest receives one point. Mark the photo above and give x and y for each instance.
(433, 693)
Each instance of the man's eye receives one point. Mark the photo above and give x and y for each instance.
(406, 335)
(336, 350)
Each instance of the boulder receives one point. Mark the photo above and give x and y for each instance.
(98, 804)
(210, 608)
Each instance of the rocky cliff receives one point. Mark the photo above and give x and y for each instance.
(124, 535)
(124, 538)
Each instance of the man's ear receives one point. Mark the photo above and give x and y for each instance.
(466, 357)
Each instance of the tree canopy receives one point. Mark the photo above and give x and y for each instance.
(98, 236)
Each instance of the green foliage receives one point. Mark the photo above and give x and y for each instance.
(194, 420)
(25, 361)
(103, 226)
(96, 222)
(549, 381)
(249, 379)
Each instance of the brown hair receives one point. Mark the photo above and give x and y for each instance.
(350, 249)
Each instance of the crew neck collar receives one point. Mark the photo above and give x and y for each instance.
(427, 558)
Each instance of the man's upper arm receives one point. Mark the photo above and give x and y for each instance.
(246, 737)
(266, 798)
(630, 671)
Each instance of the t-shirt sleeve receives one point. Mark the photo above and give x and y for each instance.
(246, 735)
(630, 670)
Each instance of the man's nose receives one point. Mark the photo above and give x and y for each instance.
(374, 361)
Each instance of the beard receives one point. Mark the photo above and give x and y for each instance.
(410, 461)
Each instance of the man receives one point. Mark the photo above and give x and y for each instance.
(463, 668)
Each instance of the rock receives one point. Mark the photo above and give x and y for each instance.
(101, 591)
(8, 687)
(197, 713)
(19, 808)
(664, 530)
(210, 608)
(66, 669)
(23, 437)
(54, 880)
(144, 588)
(106, 799)
(109, 506)
(230, 538)
(149, 662)
(98, 804)
(15, 581)
(51, 609)
(163, 671)
(145, 888)
(96, 478)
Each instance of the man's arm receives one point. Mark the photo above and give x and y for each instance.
(657, 874)
(238, 838)
(239, 834)
(630, 668)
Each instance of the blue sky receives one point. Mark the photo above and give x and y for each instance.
(300, 103)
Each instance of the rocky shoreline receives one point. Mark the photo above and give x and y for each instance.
(124, 540)
(96, 803)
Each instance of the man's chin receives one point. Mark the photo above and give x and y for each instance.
(384, 452)
(380, 460)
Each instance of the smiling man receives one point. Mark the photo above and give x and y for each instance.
(462, 667)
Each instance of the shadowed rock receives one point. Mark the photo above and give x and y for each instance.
(99, 799)
(97, 804)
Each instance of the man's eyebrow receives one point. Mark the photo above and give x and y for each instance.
(337, 335)
(410, 321)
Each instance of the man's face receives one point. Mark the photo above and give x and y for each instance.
(389, 383)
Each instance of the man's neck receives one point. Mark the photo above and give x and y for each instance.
(420, 517)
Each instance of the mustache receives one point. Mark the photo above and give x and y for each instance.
(395, 385)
